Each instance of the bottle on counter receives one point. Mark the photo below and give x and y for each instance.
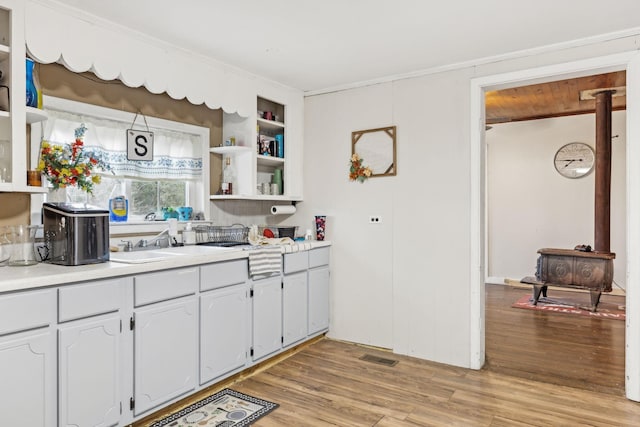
(228, 177)
(118, 205)
(188, 235)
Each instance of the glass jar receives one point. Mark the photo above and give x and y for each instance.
(5, 246)
(23, 240)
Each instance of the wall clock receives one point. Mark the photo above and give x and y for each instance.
(574, 160)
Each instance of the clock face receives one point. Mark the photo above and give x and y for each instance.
(574, 160)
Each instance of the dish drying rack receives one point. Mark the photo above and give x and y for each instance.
(236, 233)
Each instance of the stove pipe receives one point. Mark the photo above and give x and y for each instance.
(602, 231)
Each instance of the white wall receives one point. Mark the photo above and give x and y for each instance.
(530, 206)
(362, 253)
(396, 284)
(406, 283)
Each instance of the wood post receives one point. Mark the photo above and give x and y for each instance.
(602, 231)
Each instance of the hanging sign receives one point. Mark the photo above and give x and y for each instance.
(139, 145)
(139, 142)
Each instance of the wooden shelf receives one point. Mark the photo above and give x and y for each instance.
(257, 197)
(233, 149)
(8, 187)
(35, 115)
(270, 124)
(270, 160)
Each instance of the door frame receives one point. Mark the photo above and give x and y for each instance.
(629, 61)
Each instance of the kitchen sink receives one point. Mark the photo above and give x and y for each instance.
(140, 257)
(153, 255)
(196, 250)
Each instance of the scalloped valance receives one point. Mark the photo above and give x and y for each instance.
(84, 43)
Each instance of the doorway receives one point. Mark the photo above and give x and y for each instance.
(531, 205)
(631, 63)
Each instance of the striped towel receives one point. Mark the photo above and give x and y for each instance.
(265, 260)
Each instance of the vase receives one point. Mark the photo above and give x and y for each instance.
(32, 91)
(320, 226)
(58, 195)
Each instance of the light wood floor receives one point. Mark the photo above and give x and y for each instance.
(555, 348)
(327, 384)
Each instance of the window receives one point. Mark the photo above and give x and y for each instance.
(145, 197)
(177, 176)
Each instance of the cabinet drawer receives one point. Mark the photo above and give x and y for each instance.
(297, 261)
(318, 257)
(223, 274)
(26, 310)
(165, 285)
(89, 299)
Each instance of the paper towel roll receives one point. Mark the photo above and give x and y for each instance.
(283, 210)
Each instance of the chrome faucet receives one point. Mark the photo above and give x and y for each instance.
(162, 240)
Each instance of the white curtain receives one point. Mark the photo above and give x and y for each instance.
(176, 155)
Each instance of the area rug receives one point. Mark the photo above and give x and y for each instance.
(226, 408)
(606, 310)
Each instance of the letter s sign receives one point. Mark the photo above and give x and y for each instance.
(139, 145)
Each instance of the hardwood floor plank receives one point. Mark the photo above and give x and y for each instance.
(542, 370)
(556, 348)
(394, 422)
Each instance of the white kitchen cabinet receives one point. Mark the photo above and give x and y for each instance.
(319, 280)
(224, 331)
(267, 316)
(27, 388)
(14, 114)
(165, 352)
(294, 307)
(89, 352)
(28, 359)
(89, 372)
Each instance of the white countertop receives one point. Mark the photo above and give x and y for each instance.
(45, 274)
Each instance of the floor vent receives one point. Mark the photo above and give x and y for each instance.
(378, 360)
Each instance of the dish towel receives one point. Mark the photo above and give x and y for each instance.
(265, 260)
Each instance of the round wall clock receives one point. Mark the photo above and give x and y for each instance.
(574, 160)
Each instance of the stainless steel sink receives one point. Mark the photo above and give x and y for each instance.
(153, 255)
(139, 257)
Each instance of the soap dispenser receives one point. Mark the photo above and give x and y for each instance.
(188, 235)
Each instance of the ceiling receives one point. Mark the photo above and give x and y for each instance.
(552, 99)
(319, 46)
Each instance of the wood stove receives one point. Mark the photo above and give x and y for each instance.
(582, 268)
(574, 269)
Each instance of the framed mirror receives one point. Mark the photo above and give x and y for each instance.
(377, 148)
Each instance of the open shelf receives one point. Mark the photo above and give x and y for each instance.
(231, 150)
(256, 197)
(270, 124)
(270, 160)
(35, 115)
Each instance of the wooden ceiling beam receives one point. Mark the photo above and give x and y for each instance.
(552, 99)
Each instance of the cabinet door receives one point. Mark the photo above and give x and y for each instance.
(267, 316)
(318, 299)
(89, 352)
(27, 385)
(165, 352)
(224, 331)
(294, 307)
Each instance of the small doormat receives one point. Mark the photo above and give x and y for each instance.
(605, 310)
(226, 408)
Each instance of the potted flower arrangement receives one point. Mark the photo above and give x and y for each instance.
(358, 172)
(70, 165)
